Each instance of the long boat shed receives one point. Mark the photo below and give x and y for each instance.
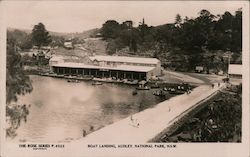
(119, 67)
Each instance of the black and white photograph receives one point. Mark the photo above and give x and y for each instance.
(118, 75)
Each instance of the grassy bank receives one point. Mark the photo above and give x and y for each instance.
(218, 120)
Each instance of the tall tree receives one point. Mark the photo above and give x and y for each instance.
(40, 36)
(178, 20)
(236, 45)
(110, 29)
(17, 83)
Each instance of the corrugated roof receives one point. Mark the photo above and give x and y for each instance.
(235, 69)
(125, 59)
(120, 67)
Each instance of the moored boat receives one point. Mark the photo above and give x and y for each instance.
(174, 91)
(96, 83)
(134, 92)
(155, 85)
(159, 93)
(143, 88)
(73, 81)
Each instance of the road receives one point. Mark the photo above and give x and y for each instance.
(193, 78)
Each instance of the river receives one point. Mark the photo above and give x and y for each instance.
(59, 111)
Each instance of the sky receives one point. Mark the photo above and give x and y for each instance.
(77, 16)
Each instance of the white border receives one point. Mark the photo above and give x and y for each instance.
(183, 149)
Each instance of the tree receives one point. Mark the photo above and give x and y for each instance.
(17, 83)
(110, 29)
(40, 36)
(236, 44)
(178, 20)
(23, 39)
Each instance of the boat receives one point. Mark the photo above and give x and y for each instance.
(85, 78)
(60, 76)
(44, 74)
(169, 89)
(134, 92)
(96, 83)
(134, 82)
(73, 81)
(159, 93)
(143, 88)
(52, 75)
(174, 91)
(70, 77)
(155, 85)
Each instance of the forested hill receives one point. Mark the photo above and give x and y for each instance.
(205, 40)
(181, 45)
(23, 37)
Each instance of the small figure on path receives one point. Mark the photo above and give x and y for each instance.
(131, 118)
(134, 122)
(84, 133)
(138, 124)
(218, 84)
(91, 128)
(212, 85)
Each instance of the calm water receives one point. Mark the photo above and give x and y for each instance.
(60, 110)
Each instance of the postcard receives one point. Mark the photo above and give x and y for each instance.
(124, 78)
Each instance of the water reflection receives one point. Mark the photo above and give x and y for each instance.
(60, 110)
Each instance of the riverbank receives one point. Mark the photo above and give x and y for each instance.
(218, 120)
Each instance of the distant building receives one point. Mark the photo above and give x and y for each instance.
(98, 35)
(199, 69)
(235, 70)
(119, 67)
(68, 44)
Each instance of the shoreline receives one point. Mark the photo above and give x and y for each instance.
(183, 132)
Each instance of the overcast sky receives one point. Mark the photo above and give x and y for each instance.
(77, 16)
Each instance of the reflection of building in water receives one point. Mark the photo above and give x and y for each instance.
(110, 66)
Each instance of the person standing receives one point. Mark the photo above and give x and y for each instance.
(84, 133)
(212, 85)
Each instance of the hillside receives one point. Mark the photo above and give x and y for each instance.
(81, 35)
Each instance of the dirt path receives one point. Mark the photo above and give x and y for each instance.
(178, 77)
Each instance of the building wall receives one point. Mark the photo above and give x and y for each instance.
(235, 76)
(113, 63)
(157, 71)
(102, 73)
